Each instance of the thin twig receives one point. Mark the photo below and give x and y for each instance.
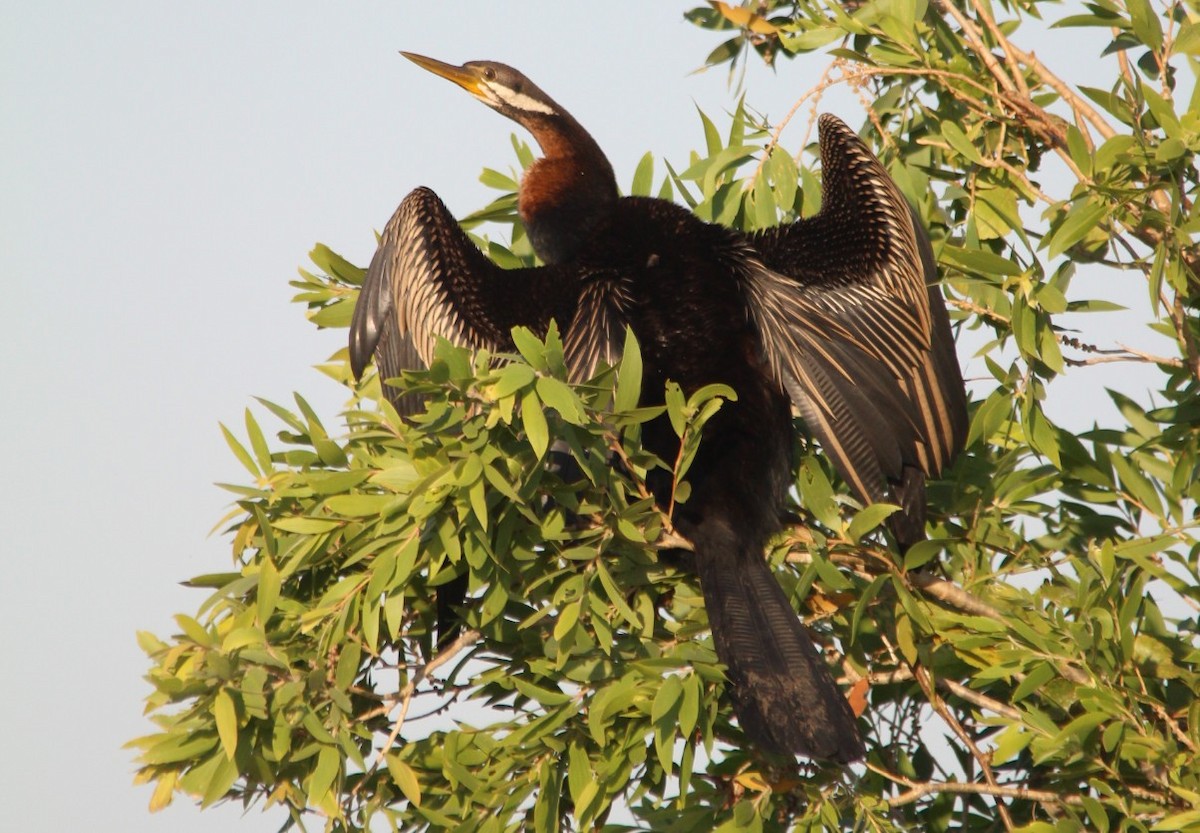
(985, 15)
(974, 39)
(1075, 101)
(1101, 355)
(465, 640)
(1184, 334)
(1158, 709)
(943, 590)
(853, 74)
(981, 700)
(939, 705)
(823, 83)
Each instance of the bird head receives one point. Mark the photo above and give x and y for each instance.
(499, 86)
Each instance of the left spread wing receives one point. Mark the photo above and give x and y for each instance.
(428, 280)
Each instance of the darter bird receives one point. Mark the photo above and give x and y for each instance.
(837, 314)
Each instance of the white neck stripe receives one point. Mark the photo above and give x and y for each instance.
(518, 101)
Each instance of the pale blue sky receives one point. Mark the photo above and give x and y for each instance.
(167, 166)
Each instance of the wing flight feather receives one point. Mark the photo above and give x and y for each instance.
(855, 330)
(428, 280)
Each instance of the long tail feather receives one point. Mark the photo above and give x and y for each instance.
(785, 698)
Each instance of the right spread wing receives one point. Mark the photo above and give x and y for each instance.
(854, 331)
(428, 280)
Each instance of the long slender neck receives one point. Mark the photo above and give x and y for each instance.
(568, 191)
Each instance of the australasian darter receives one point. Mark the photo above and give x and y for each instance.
(836, 314)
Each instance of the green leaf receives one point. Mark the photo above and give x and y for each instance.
(1081, 219)
(223, 775)
(567, 620)
(765, 213)
(497, 180)
(546, 808)
(530, 347)
(905, 639)
(1078, 148)
(812, 39)
(336, 314)
(559, 396)
(712, 136)
(864, 603)
(667, 698)
(194, 630)
(995, 213)
(980, 261)
(240, 452)
(534, 423)
(1010, 743)
(1187, 820)
(643, 176)
(958, 140)
(676, 402)
(689, 708)
(329, 762)
(1163, 110)
(615, 595)
(579, 774)
(543, 696)
(1140, 487)
(405, 778)
(1041, 674)
(512, 378)
(921, 553)
(268, 591)
(306, 526)
(868, 518)
(478, 498)
(1079, 728)
(1187, 42)
(225, 715)
(816, 494)
(629, 380)
(347, 666)
(784, 176)
(1146, 24)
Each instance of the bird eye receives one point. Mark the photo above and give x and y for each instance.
(489, 74)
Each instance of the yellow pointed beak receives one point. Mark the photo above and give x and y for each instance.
(465, 78)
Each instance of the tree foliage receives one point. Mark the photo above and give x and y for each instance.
(1034, 666)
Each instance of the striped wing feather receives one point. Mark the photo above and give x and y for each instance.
(428, 280)
(854, 331)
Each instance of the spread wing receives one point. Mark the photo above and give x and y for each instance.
(428, 280)
(855, 332)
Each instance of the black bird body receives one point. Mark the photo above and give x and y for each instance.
(831, 314)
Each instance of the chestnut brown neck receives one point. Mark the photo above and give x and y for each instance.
(568, 191)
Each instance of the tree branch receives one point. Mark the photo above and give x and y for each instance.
(939, 705)
(953, 595)
(975, 698)
(918, 791)
(404, 698)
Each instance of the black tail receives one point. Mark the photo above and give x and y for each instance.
(785, 698)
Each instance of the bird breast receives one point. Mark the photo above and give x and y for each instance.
(560, 202)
